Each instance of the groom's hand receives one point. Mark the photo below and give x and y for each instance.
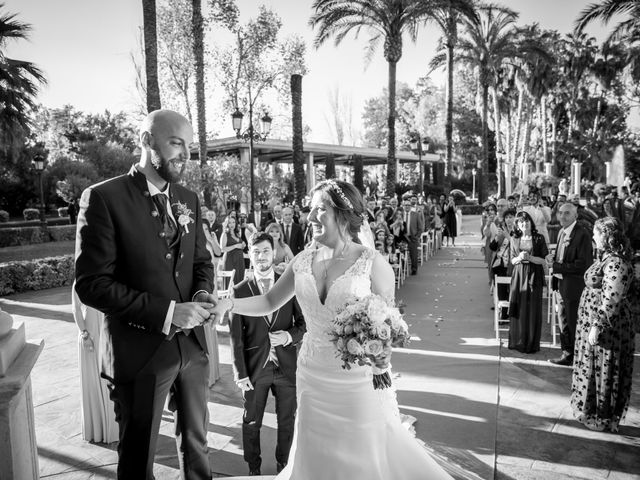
(190, 314)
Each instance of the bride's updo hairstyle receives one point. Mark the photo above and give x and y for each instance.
(347, 203)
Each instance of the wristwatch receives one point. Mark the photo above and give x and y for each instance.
(84, 334)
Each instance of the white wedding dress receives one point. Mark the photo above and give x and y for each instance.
(345, 430)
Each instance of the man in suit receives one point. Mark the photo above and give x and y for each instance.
(572, 258)
(259, 218)
(392, 209)
(306, 226)
(371, 210)
(293, 234)
(142, 260)
(414, 226)
(264, 358)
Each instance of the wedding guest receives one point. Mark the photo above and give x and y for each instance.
(528, 252)
(232, 248)
(264, 358)
(211, 334)
(371, 209)
(414, 226)
(380, 222)
(210, 220)
(282, 253)
(605, 336)
(293, 235)
(306, 226)
(501, 246)
(97, 409)
(259, 218)
(397, 227)
(540, 214)
(450, 221)
(572, 258)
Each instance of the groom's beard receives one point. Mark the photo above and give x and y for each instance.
(163, 167)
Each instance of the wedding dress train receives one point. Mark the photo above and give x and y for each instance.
(344, 428)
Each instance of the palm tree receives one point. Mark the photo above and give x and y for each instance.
(448, 20)
(298, 146)
(487, 41)
(198, 55)
(607, 10)
(151, 54)
(387, 21)
(19, 82)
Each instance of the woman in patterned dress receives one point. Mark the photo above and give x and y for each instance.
(605, 337)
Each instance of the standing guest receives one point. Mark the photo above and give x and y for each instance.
(264, 358)
(293, 235)
(141, 259)
(210, 220)
(414, 226)
(512, 201)
(501, 246)
(306, 226)
(613, 206)
(541, 215)
(211, 334)
(371, 209)
(398, 227)
(605, 336)
(296, 213)
(380, 222)
(572, 258)
(232, 246)
(450, 221)
(98, 417)
(276, 214)
(528, 252)
(258, 218)
(73, 209)
(393, 208)
(282, 253)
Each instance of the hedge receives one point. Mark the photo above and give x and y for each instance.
(471, 209)
(38, 274)
(4, 216)
(11, 237)
(31, 214)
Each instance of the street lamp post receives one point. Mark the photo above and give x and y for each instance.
(473, 193)
(251, 135)
(38, 163)
(419, 146)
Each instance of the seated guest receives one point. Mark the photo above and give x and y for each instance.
(528, 252)
(605, 335)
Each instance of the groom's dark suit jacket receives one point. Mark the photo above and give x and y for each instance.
(250, 336)
(125, 269)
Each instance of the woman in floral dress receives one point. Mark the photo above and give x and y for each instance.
(605, 338)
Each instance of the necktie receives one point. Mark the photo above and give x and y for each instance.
(265, 285)
(169, 227)
(286, 234)
(560, 252)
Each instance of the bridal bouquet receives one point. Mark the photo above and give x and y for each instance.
(363, 333)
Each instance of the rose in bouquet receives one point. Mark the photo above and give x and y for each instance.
(364, 330)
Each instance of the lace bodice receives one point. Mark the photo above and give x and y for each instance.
(356, 280)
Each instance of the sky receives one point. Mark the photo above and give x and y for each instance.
(84, 48)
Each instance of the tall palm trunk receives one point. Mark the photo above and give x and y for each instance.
(526, 136)
(391, 139)
(518, 125)
(483, 162)
(449, 123)
(543, 127)
(496, 127)
(151, 55)
(198, 55)
(299, 186)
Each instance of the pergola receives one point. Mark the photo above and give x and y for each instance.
(281, 151)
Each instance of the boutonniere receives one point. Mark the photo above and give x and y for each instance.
(184, 215)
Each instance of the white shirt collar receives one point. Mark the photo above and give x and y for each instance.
(569, 229)
(153, 190)
(258, 276)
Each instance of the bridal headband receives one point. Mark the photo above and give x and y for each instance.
(332, 185)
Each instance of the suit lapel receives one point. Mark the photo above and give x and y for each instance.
(255, 291)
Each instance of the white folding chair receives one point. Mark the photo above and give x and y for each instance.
(498, 305)
(224, 282)
(423, 248)
(431, 243)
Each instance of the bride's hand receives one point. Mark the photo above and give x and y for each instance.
(218, 311)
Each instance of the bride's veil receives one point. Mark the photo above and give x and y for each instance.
(366, 235)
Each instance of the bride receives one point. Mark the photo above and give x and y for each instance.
(344, 428)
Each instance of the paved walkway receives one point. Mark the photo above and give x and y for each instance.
(484, 411)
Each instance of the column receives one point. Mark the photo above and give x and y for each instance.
(311, 171)
(18, 449)
(547, 168)
(577, 177)
(607, 170)
(507, 179)
(525, 172)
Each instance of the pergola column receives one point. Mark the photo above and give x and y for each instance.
(311, 171)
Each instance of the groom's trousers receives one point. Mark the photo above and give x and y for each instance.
(284, 390)
(178, 369)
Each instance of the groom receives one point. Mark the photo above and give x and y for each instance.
(264, 358)
(142, 260)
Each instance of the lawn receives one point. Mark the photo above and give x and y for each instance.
(39, 250)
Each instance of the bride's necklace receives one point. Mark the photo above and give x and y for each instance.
(333, 259)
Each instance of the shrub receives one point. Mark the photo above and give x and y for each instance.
(471, 209)
(63, 212)
(62, 233)
(4, 216)
(38, 274)
(11, 237)
(31, 214)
